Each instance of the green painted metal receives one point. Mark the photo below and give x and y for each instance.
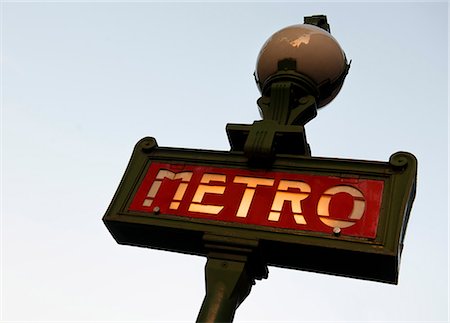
(227, 286)
(287, 104)
(374, 259)
(230, 273)
(319, 21)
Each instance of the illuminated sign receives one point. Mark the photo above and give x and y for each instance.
(274, 199)
(337, 216)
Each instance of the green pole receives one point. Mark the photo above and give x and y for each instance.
(228, 283)
(231, 270)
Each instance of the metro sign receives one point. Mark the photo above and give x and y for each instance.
(336, 216)
(273, 199)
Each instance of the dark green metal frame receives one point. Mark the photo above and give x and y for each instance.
(373, 259)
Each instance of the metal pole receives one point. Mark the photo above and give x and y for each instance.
(228, 283)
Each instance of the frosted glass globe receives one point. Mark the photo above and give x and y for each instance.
(318, 56)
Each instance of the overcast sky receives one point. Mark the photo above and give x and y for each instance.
(81, 83)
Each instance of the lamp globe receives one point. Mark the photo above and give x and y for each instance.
(317, 54)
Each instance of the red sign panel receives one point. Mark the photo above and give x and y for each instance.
(264, 198)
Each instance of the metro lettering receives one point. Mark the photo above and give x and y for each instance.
(249, 192)
(284, 195)
(196, 205)
(259, 198)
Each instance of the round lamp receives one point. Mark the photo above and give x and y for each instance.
(317, 55)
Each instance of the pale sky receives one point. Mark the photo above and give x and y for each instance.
(81, 83)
